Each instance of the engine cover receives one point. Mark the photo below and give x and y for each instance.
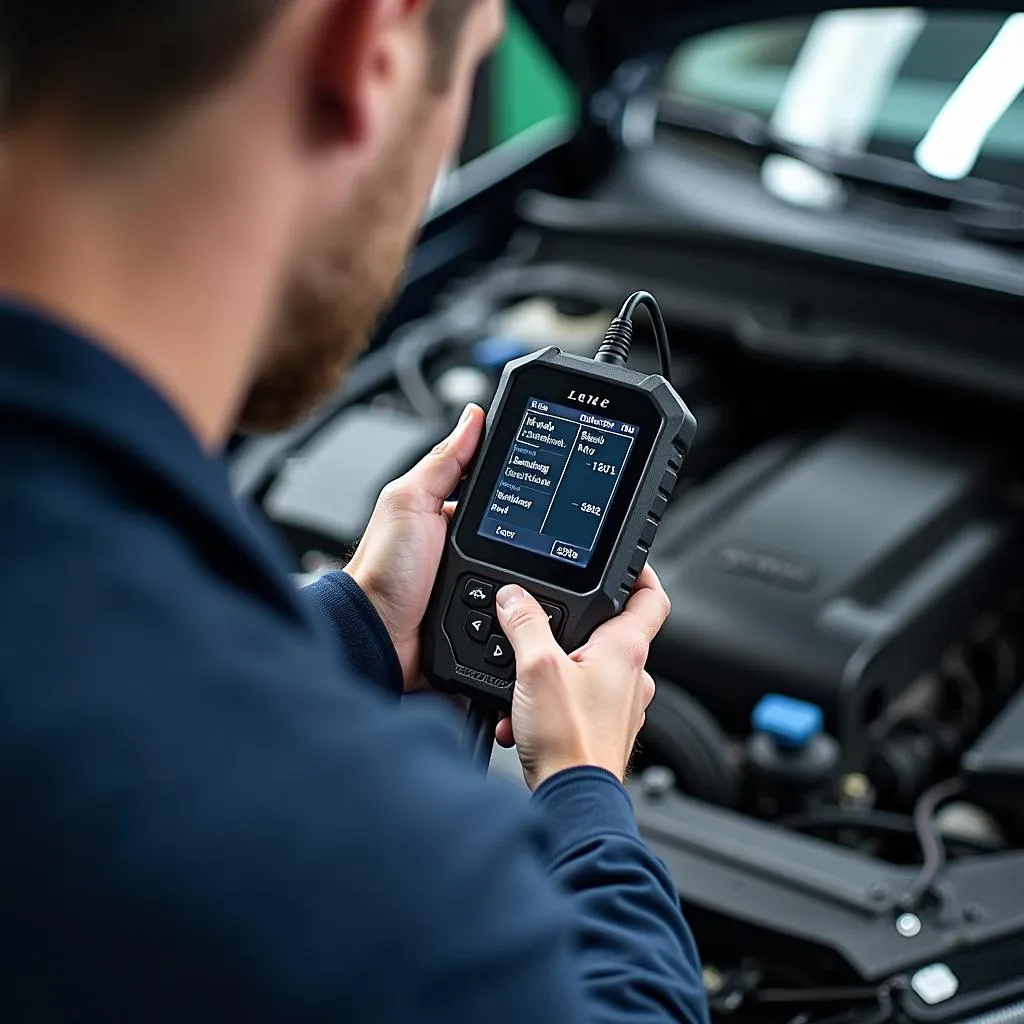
(834, 569)
(994, 766)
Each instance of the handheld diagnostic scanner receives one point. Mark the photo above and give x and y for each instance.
(574, 474)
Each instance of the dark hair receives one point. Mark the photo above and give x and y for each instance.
(118, 65)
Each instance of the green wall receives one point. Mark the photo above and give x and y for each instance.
(528, 86)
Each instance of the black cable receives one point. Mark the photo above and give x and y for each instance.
(650, 303)
(837, 817)
(932, 846)
(410, 353)
(830, 818)
(478, 737)
(881, 1014)
(619, 338)
(852, 994)
(1006, 666)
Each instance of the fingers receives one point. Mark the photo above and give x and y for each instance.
(526, 625)
(649, 607)
(648, 580)
(503, 734)
(650, 690)
(629, 636)
(433, 478)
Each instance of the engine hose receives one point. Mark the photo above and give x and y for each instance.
(933, 847)
(688, 740)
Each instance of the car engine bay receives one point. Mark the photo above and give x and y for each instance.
(833, 767)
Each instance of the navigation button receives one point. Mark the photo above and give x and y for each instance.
(478, 626)
(555, 616)
(568, 553)
(478, 594)
(499, 652)
(499, 531)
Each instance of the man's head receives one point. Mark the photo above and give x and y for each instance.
(335, 116)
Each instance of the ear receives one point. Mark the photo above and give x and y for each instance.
(359, 57)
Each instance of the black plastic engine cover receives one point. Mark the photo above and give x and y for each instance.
(834, 569)
(794, 899)
(994, 766)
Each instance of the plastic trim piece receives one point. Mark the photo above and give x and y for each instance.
(739, 870)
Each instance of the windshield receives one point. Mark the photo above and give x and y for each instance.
(942, 90)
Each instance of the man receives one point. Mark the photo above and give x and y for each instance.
(213, 806)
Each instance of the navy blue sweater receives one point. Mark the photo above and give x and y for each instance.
(212, 803)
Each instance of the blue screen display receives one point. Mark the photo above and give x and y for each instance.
(558, 481)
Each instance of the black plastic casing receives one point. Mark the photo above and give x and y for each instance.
(837, 569)
(609, 586)
(791, 898)
(994, 766)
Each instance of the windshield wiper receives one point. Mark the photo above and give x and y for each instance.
(979, 208)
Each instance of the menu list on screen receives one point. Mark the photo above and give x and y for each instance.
(558, 481)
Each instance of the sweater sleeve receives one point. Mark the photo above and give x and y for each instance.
(551, 911)
(297, 848)
(357, 630)
(633, 958)
(637, 957)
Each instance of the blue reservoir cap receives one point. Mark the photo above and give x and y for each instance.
(791, 723)
(494, 353)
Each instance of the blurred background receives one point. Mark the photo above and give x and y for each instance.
(881, 77)
(830, 210)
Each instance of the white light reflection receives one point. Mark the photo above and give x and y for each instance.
(833, 96)
(954, 142)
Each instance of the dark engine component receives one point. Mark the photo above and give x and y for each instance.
(837, 570)
(790, 760)
(836, 913)
(691, 743)
(323, 497)
(994, 766)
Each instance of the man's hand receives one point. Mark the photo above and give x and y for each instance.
(397, 560)
(586, 708)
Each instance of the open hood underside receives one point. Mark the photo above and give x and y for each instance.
(591, 38)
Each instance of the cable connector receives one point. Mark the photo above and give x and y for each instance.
(619, 338)
(618, 341)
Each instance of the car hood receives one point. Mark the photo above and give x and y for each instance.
(592, 38)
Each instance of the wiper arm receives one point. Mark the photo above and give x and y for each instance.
(979, 208)
(999, 222)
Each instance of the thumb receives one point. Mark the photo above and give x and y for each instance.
(437, 475)
(527, 627)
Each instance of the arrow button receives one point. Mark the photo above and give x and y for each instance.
(478, 626)
(555, 617)
(499, 652)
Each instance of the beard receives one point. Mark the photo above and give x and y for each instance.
(339, 288)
